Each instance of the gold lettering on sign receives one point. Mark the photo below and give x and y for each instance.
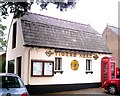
(62, 53)
(66, 53)
(86, 55)
(72, 54)
(56, 53)
(90, 56)
(80, 55)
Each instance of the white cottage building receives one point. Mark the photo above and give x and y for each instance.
(51, 54)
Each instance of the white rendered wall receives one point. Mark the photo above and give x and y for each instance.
(12, 54)
(68, 76)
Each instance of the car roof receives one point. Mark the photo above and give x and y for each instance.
(8, 74)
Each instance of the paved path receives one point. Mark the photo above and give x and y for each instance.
(82, 92)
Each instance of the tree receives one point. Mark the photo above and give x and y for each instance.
(2, 38)
(20, 8)
(2, 47)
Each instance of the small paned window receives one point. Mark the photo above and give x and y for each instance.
(112, 70)
(14, 35)
(58, 65)
(89, 66)
(11, 64)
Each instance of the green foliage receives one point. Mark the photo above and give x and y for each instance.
(2, 38)
(20, 8)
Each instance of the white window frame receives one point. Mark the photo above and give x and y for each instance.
(58, 67)
(89, 66)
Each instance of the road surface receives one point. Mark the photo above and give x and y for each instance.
(82, 92)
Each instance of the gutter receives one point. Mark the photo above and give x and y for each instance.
(67, 49)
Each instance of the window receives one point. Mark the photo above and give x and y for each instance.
(11, 66)
(10, 82)
(18, 66)
(58, 65)
(89, 66)
(42, 68)
(14, 35)
(112, 70)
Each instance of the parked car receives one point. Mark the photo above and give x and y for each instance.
(12, 85)
(113, 86)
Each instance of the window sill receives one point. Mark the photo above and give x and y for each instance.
(58, 72)
(89, 72)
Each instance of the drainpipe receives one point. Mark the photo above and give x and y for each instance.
(28, 78)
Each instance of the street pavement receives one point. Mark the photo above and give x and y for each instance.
(82, 92)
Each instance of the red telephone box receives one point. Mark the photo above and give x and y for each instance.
(108, 69)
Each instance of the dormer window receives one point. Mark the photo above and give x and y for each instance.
(14, 35)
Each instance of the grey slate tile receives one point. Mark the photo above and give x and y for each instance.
(44, 31)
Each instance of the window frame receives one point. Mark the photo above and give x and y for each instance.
(14, 35)
(43, 68)
(59, 60)
(13, 62)
(57, 70)
(89, 66)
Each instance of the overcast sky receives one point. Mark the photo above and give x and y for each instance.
(97, 13)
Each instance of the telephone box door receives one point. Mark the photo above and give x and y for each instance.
(104, 69)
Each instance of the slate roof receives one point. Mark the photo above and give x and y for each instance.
(43, 31)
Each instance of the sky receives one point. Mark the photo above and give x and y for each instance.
(97, 13)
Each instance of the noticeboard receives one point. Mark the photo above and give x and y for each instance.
(37, 68)
(48, 68)
(42, 68)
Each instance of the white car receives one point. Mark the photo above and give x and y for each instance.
(12, 85)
